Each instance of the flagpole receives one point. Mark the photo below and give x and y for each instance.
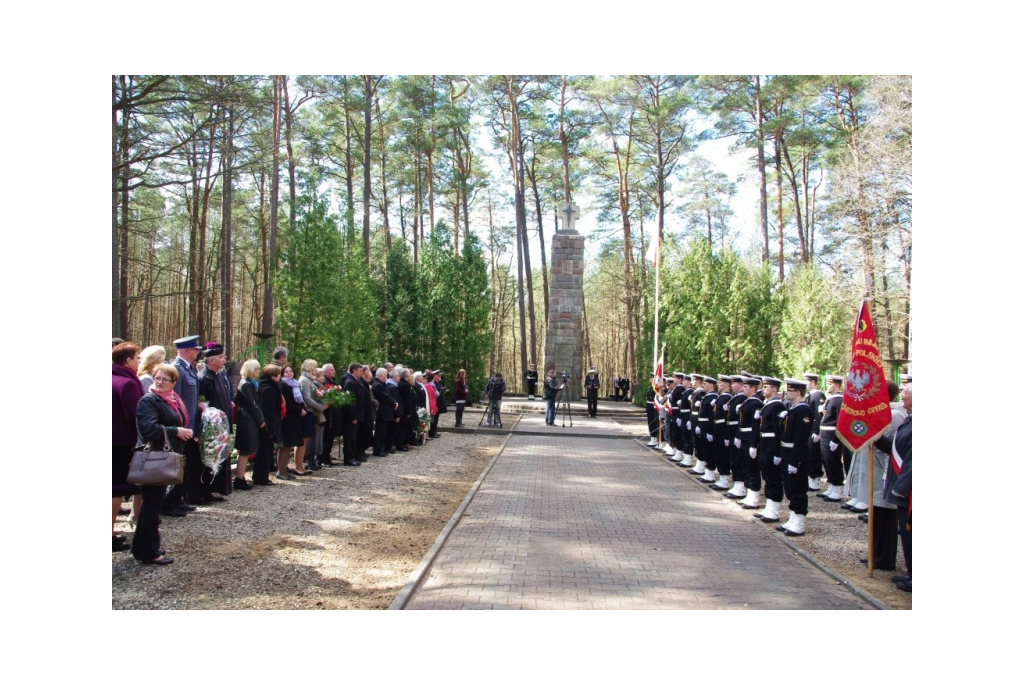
(657, 296)
(871, 510)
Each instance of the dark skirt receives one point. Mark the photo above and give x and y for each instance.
(291, 431)
(309, 424)
(121, 460)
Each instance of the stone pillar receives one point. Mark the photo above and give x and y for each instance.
(563, 348)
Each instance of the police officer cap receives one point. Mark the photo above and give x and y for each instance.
(794, 384)
(811, 377)
(833, 377)
(768, 380)
(187, 342)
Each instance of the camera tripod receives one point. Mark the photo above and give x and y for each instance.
(565, 407)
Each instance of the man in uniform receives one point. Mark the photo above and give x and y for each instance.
(592, 383)
(771, 416)
(531, 381)
(723, 439)
(652, 414)
(795, 453)
(695, 400)
(815, 400)
(749, 475)
(833, 453)
(705, 431)
(215, 386)
(667, 412)
(187, 389)
(676, 422)
(737, 461)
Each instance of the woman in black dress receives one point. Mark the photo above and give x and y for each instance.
(291, 426)
(162, 419)
(250, 421)
(270, 432)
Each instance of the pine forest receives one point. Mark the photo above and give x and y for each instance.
(409, 218)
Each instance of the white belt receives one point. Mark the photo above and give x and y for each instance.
(828, 428)
(745, 430)
(684, 411)
(787, 444)
(767, 435)
(733, 423)
(719, 420)
(704, 419)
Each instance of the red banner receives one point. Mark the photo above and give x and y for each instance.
(865, 413)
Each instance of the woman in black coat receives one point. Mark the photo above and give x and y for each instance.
(270, 432)
(162, 419)
(250, 421)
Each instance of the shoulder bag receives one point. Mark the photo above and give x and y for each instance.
(156, 467)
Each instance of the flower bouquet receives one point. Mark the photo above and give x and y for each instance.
(216, 441)
(336, 397)
(423, 426)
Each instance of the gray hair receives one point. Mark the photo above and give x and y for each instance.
(280, 352)
(382, 373)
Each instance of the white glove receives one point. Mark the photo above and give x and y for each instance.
(833, 446)
(726, 442)
(679, 422)
(688, 426)
(736, 441)
(776, 460)
(816, 438)
(711, 438)
(753, 453)
(698, 430)
(791, 468)
(757, 414)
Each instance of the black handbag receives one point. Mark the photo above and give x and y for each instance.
(156, 467)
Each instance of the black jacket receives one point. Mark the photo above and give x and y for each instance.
(385, 404)
(270, 405)
(156, 419)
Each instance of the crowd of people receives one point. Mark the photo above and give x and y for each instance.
(281, 421)
(741, 434)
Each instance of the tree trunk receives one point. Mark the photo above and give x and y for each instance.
(368, 91)
(778, 199)
(761, 171)
(271, 261)
(225, 234)
(383, 178)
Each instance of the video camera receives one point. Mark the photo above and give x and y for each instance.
(565, 375)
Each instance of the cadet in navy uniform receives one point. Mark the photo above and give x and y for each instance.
(706, 430)
(749, 477)
(695, 400)
(685, 424)
(652, 415)
(676, 423)
(833, 453)
(723, 439)
(732, 440)
(795, 455)
(772, 414)
(187, 389)
(531, 381)
(816, 401)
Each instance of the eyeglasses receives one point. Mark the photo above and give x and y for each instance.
(161, 379)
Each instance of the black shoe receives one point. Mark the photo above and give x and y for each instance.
(214, 498)
(269, 482)
(353, 462)
(242, 484)
(120, 545)
(402, 449)
(159, 561)
(863, 517)
(905, 585)
(176, 512)
(328, 462)
(862, 512)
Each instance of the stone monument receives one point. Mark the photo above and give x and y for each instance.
(563, 348)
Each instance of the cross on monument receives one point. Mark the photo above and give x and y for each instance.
(570, 211)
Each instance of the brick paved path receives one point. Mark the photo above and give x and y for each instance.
(571, 522)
